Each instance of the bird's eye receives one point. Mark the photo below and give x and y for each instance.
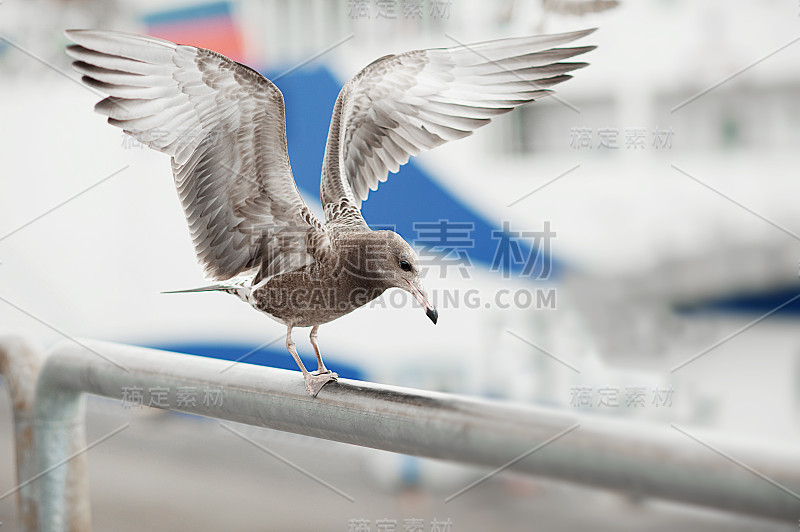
(405, 266)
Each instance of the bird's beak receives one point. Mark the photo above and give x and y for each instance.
(422, 298)
(433, 314)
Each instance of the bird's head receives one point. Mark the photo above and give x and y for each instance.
(392, 263)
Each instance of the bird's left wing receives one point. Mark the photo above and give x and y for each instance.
(223, 125)
(401, 105)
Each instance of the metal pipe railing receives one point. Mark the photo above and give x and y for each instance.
(646, 459)
(20, 362)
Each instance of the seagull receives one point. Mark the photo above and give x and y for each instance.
(223, 125)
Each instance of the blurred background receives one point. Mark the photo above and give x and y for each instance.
(627, 248)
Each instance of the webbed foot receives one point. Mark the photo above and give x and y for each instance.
(316, 380)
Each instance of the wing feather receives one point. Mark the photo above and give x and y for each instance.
(403, 104)
(223, 126)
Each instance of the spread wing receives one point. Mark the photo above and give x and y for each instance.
(403, 104)
(223, 125)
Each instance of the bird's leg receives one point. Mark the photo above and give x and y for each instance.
(290, 345)
(321, 369)
(314, 382)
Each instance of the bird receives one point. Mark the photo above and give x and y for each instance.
(223, 125)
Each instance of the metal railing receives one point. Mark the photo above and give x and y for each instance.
(645, 459)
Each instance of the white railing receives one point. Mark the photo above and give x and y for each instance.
(645, 459)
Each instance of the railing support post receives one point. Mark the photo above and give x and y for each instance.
(62, 476)
(20, 362)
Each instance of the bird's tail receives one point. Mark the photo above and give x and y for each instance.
(240, 289)
(211, 288)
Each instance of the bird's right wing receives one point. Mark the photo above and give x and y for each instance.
(223, 125)
(401, 105)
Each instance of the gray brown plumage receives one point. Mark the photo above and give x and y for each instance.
(223, 125)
